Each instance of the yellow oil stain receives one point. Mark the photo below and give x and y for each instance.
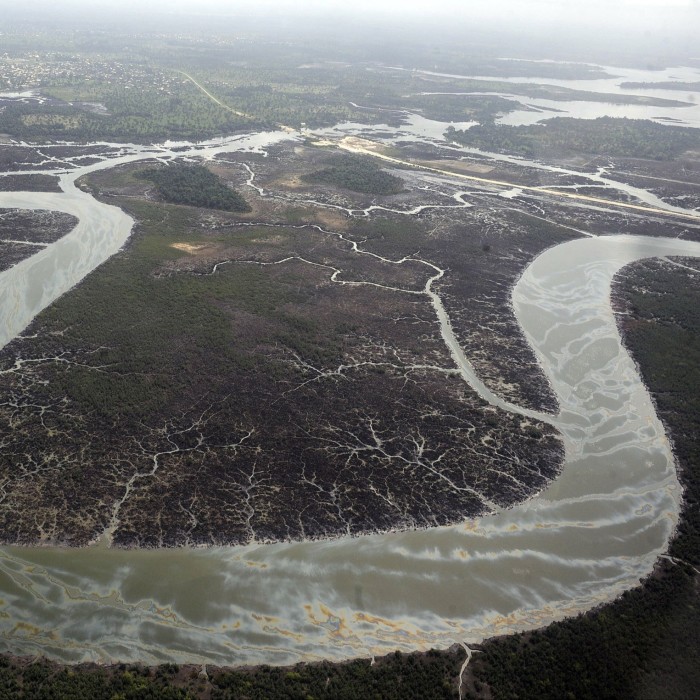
(265, 618)
(112, 596)
(505, 621)
(255, 564)
(283, 632)
(375, 620)
(25, 627)
(235, 626)
(165, 613)
(335, 624)
(394, 626)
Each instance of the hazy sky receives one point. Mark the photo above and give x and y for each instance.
(607, 23)
(463, 8)
(651, 14)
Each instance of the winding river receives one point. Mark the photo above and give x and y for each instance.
(592, 534)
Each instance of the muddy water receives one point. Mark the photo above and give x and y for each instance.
(590, 535)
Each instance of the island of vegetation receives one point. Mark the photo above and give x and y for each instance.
(194, 186)
(356, 173)
(29, 183)
(23, 233)
(662, 85)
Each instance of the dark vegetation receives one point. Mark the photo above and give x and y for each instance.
(41, 680)
(117, 87)
(38, 226)
(17, 158)
(605, 136)
(194, 186)
(431, 676)
(12, 253)
(547, 92)
(459, 108)
(19, 227)
(357, 173)
(133, 114)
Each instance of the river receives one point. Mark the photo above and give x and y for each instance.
(590, 535)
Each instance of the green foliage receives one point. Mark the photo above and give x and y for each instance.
(195, 186)
(606, 136)
(45, 681)
(171, 335)
(596, 655)
(128, 87)
(397, 676)
(357, 173)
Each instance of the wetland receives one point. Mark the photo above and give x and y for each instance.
(391, 365)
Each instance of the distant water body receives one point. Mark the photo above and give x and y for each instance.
(535, 109)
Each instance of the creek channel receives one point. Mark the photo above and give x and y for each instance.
(591, 534)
